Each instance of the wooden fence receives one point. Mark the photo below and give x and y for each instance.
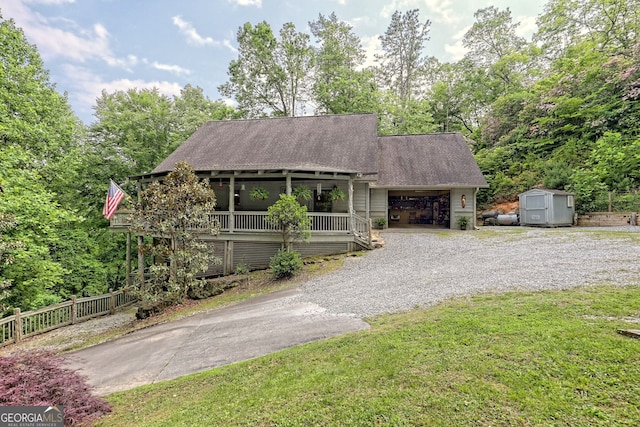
(22, 325)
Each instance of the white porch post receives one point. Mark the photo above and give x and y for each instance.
(232, 203)
(289, 190)
(351, 212)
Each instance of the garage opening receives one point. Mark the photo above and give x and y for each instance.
(419, 209)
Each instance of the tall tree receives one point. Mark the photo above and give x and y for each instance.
(401, 64)
(192, 108)
(56, 258)
(496, 49)
(611, 25)
(340, 86)
(137, 128)
(269, 77)
(457, 97)
(33, 115)
(7, 247)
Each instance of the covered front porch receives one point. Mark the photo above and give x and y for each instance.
(247, 238)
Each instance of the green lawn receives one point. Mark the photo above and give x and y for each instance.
(520, 359)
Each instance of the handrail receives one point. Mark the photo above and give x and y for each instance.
(256, 221)
(21, 325)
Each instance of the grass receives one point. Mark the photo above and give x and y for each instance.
(520, 359)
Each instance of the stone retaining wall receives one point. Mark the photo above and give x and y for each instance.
(607, 219)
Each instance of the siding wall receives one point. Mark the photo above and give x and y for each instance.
(360, 199)
(379, 203)
(457, 210)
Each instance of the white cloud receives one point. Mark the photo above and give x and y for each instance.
(527, 26)
(257, 3)
(175, 69)
(79, 45)
(456, 50)
(50, 1)
(441, 11)
(371, 46)
(193, 37)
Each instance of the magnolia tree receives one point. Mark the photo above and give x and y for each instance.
(176, 212)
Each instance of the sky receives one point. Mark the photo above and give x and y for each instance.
(94, 45)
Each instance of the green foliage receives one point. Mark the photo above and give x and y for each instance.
(175, 211)
(463, 222)
(291, 218)
(590, 192)
(33, 115)
(286, 263)
(336, 193)
(56, 258)
(302, 193)
(557, 175)
(7, 247)
(259, 193)
(269, 75)
(616, 161)
(242, 268)
(340, 86)
(381, 222)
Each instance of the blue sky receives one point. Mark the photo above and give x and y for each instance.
(91, 45)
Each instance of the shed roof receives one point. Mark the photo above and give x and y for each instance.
(441, 159)
(544, 190)
(336, 143)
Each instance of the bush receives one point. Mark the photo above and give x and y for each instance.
(285, 264)
(37, 378)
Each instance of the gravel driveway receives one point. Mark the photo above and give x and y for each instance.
(413, 269)
(424, 268)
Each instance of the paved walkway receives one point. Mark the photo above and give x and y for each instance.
(210, 339)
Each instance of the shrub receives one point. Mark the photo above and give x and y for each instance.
(285, 264)
(37, 378)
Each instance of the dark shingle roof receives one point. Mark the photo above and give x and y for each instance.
(442, 159)
(332, 143)
(335, 143)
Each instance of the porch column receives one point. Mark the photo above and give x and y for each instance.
(232, 203)
(288, 178)
(367, 201)
(351, 211)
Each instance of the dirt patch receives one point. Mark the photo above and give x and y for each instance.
(506, 207)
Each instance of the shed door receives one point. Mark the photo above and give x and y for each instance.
(535, 211)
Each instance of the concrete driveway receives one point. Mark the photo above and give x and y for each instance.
(214, 338)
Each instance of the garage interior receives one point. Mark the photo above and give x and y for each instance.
(419, 209)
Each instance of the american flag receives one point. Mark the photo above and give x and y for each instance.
(114, 197)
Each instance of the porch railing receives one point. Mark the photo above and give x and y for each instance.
(21, 325)
(246, 221)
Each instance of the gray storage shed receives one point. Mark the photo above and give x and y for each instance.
(547, 208)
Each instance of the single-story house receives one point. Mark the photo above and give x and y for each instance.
(408, 180)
